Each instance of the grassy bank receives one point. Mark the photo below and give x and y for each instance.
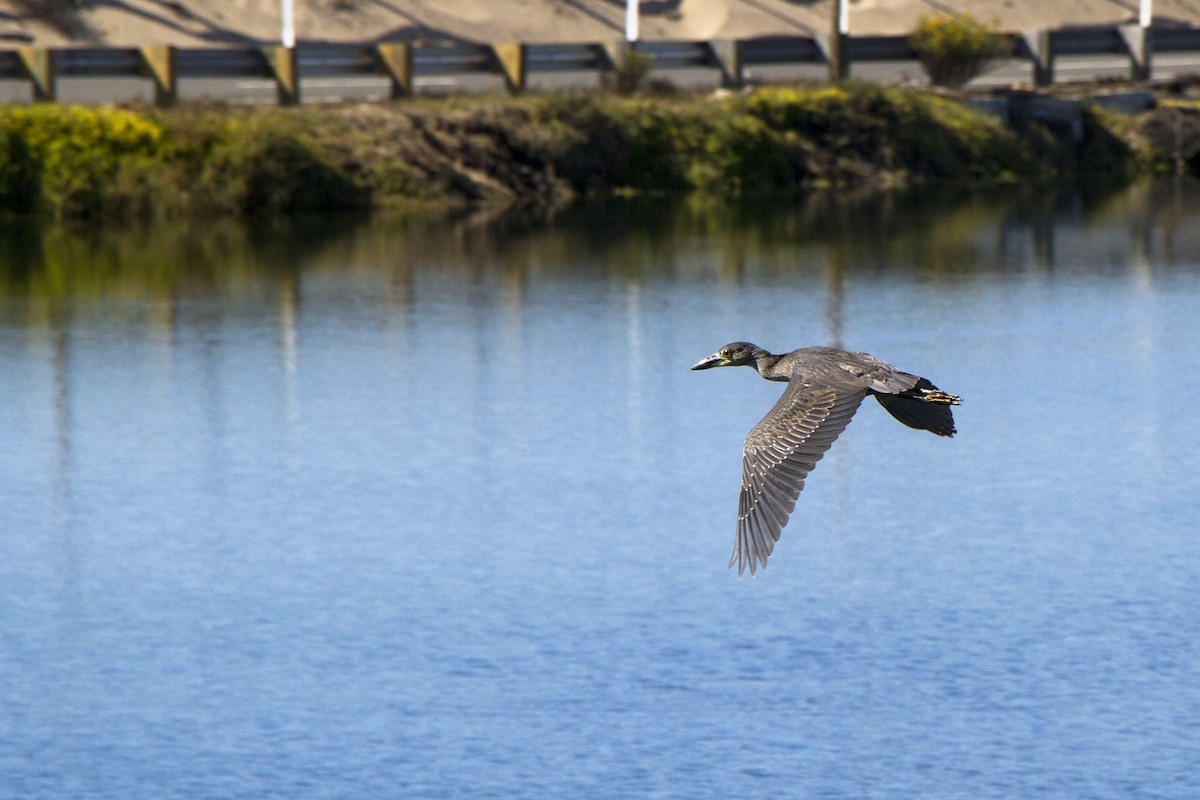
(78, 162)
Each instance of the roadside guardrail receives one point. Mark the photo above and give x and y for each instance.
(403, 64)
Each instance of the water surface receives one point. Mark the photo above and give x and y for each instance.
(390, 509)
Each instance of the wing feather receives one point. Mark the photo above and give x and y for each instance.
(779, 453)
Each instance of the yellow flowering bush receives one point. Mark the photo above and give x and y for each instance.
(79, 150)
(953, 49)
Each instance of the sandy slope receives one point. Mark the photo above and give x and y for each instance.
(226, 22)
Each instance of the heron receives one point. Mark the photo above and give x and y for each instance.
(825, 388)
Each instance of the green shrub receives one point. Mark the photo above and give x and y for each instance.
(205, 160)
(622, 144)
(953, 49)
(79, 150)
(863, 130)
(282, 173)
(1171, 131)
(20, 176)
(256, 164)
(848, 117)
(742, 155)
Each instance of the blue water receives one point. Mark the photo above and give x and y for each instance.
(400, 510)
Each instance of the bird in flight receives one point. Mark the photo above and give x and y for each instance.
(825, 388)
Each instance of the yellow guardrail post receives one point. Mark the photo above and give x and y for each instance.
(396, 59)
(282, 61)
(1040, 48)
(511, 58)
(1138, 41)
(38, 63)
(728, 55)
(839, 63)
(616, 50)
(158, 62)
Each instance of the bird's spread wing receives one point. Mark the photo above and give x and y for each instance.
(780, 451)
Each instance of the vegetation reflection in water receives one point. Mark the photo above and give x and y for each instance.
(941, 236)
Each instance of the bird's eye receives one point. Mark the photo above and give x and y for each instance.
(725, 354)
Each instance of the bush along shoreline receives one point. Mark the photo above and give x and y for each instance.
(73, 162)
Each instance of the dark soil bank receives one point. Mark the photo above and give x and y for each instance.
(544, 150)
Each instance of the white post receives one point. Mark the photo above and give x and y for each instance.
(631, 20)
(843, 16)
(288, 35)
(1145, 13)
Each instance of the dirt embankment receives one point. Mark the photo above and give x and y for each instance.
(545, 150)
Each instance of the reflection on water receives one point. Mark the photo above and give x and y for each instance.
(938, 234)
(378, 508)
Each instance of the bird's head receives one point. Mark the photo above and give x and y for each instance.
(734, 354)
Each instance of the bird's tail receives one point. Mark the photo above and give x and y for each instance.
(924, 407)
